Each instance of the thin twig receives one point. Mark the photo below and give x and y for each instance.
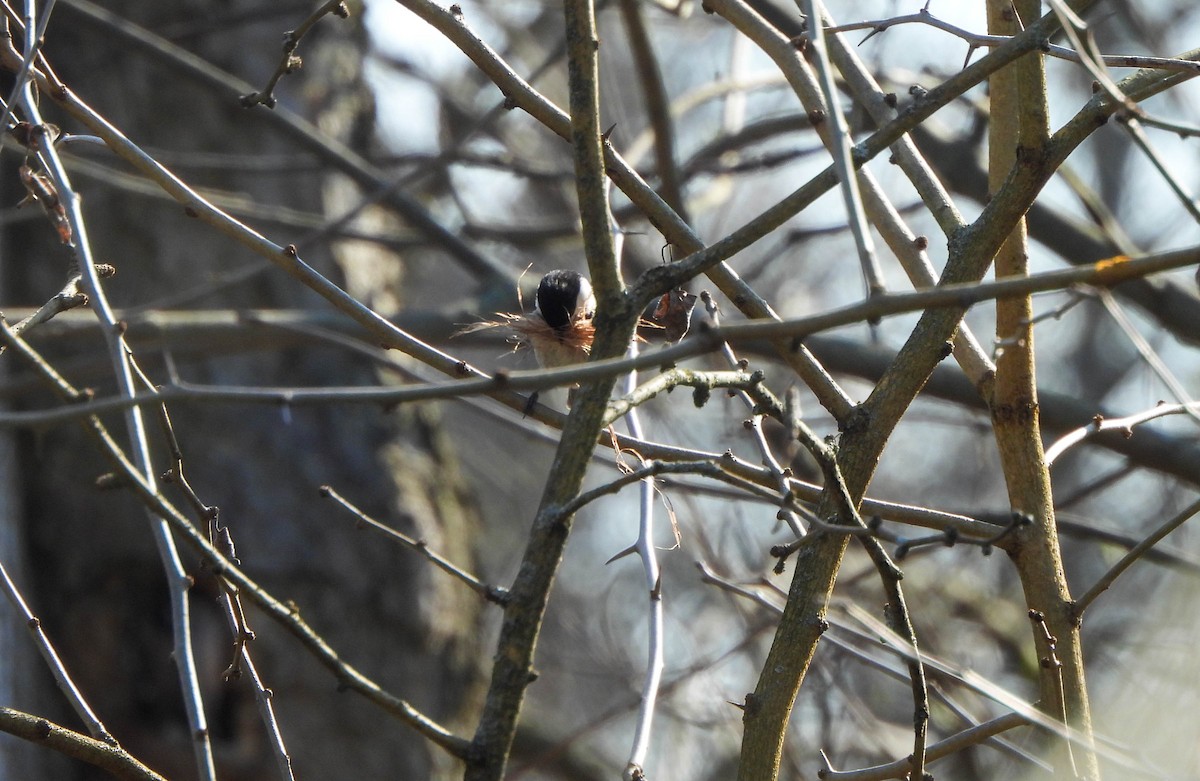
(712, 469)
(779, 474)
(1165, 169)
(1124, 425)
(950, 537)
(902, 768)
(70, 297)
(980, 40)
(1053, 663)
(702, 381)
(1130, 558)
(694, 99)
(290, 62)
(35, 33)
(61, 677)
(656, 639)
(1181, 129)
(1148, 353)
(1171, 557)
(657, 106)
(494, 594)
(841, 145)
(219, 536)
(178, 581)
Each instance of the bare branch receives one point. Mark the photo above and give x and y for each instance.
(494, 594)
(972, 736)
(293, 126)
(106, 756)
(982, 40)
(73, 231)
(1130, 558)
(1124, 425)
(841, 144)
(287, 615)
(291, 62)
(61, 677)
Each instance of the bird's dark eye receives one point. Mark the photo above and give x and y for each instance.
(557, 297)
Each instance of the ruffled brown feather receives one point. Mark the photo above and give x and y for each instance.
(523, 330)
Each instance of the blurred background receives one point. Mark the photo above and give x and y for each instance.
(393, 165)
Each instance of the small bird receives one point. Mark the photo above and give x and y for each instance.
(559, 330)
(565, 306)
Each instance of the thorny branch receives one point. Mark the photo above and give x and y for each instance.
(208, 516)
(982, 40)
(57, 196)
(287, 615)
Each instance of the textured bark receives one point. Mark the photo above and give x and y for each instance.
(1019, 130)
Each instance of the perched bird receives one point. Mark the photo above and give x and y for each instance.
(560, 329)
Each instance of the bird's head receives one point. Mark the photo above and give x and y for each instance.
(564, 299)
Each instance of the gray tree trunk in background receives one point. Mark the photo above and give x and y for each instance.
(18, 759)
